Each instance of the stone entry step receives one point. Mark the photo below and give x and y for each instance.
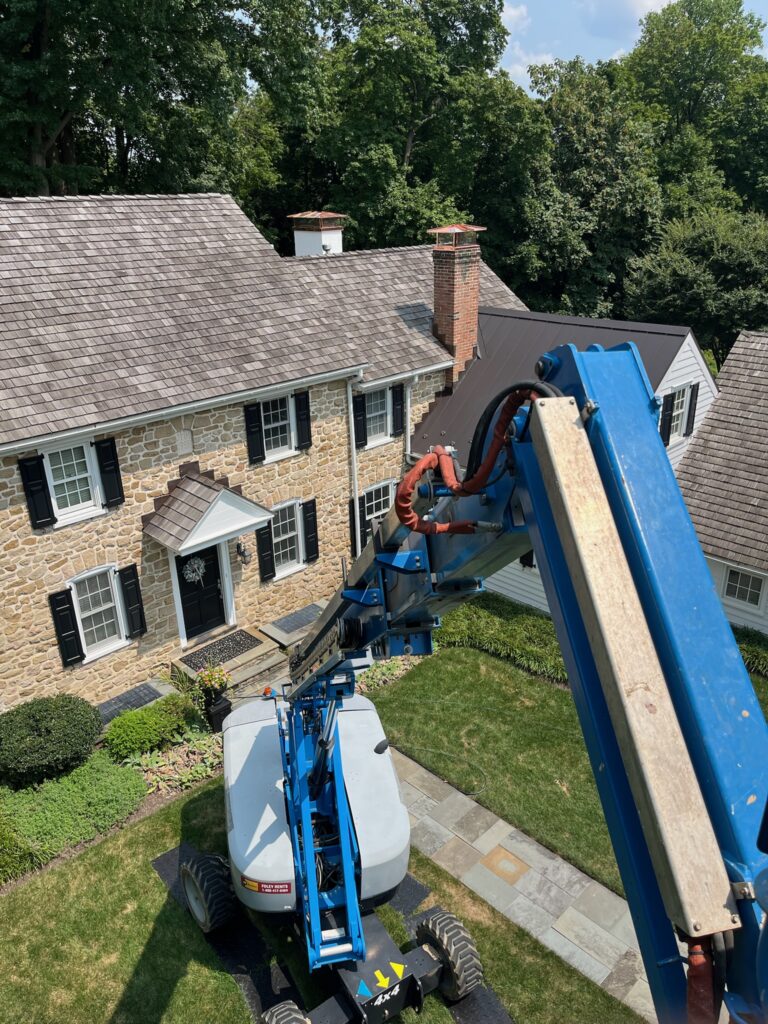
(240, 667)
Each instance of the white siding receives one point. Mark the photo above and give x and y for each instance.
(739, 613)
(688, 367)
(519, 584)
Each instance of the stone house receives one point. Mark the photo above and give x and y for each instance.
(195, 431)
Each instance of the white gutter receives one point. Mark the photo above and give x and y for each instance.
(353, 469)
(395, 378)
(172, 411)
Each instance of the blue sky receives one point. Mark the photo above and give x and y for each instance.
(541, 30)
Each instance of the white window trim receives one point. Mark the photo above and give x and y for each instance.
(63, 516)
(280, 453)
(119, 642)
(280, 574)
(675, 439)
(387, 438)
(737, 600)
(391, 483)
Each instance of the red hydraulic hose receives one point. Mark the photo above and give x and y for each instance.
(439, 457)
(701, 1003)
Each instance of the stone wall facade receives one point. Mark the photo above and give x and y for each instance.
(36, 563)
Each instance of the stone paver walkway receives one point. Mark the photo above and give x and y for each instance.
(579, 919)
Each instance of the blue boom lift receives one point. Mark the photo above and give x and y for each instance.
(571, 465)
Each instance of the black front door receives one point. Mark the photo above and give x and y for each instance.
(200, 589)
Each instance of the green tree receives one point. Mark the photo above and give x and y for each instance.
(690, 56)
(138, 86)
(710, 272)
(598, 203)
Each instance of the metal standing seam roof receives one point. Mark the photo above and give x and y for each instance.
(724, 472)
(115, 306)
(510, 342)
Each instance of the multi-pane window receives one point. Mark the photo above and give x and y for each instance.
(377, 414)
(286, 537)
(377, 503)
(72, 486)
(743, 586)
(98, 611)
(677, 425)
(276, 418)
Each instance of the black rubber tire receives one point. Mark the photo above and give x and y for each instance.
(284, 1013)
(208, 876)
(462, 969)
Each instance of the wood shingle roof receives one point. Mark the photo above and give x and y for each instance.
(114, 306)
(724, 473)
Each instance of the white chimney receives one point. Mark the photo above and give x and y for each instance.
(317, 232)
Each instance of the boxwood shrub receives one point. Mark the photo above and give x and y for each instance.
(45, 737)
(39, 822)
(151, 728)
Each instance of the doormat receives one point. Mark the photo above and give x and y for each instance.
(221, 651)
(246, 956)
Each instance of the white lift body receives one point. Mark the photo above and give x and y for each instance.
(260, 852)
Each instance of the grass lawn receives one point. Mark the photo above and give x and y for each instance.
(97, 940)
(511, 740)
(761, 689)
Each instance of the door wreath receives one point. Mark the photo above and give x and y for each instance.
(193, 570)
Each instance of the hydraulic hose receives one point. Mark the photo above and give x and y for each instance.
(516, 396)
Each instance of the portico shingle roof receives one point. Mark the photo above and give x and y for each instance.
(114, 306)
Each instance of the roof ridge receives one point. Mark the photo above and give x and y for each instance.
(604, 323)
(107, 196)
(358, 252)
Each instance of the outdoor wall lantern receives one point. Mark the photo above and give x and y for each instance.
(243, 553)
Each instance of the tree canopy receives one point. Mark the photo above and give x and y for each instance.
(622, 188)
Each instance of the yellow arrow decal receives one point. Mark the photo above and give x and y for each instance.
(381, 981)
(399, 969)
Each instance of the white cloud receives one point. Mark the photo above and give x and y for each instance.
(515, 17)
(642, 7)
(517, 60)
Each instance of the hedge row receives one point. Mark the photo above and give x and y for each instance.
(493, 624)
(151, 728)
(39, 822)
(525, 637)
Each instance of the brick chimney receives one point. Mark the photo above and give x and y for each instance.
(456, 257)
(317, 232)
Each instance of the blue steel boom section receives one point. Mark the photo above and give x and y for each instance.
(403, 581)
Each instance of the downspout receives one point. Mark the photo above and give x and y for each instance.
(353, 465)
(408, 385)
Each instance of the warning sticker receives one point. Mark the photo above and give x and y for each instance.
(269, 888)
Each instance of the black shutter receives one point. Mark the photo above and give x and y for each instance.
(266, 553)
(134, 606)
(309, 516)
(36, 491)
(365, 526)
(352, 531)
(358, 415)
(526, 560)
(109, 470)
(691, 417)
(65, 623)
(303, 421)
(398, 410)
(254, 435)
(665, 426)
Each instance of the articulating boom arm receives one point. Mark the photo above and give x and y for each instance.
(573, 466)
